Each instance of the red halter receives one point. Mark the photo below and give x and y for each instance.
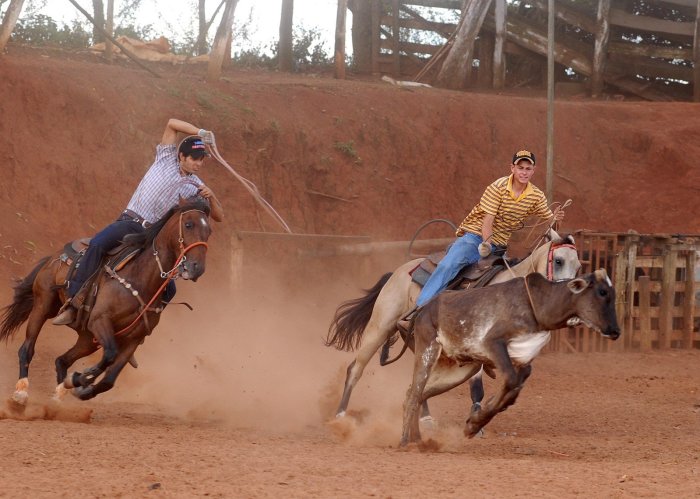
(550, 257)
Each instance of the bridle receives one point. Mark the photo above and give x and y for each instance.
(172, 274)
(550, 257)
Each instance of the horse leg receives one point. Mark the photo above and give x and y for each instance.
(476, 390)
(111, 373)
(425, 361)
(375, 336)
(36, 320)
(104, 332)
(83, 347)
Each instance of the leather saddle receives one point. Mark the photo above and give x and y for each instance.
(115, 259)
(472, 276)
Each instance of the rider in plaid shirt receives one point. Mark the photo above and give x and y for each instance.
(172, 174)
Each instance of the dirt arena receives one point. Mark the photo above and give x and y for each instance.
(236, 398)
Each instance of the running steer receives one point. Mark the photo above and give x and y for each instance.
(502, 326)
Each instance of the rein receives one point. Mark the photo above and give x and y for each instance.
(170, 276)
(167, 276)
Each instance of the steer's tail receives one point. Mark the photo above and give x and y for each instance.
(351, 318)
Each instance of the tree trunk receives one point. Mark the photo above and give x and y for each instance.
(201, 47)
(8, 22)
(285, 52)
(99, 17)
(362, 34)
(339, 57)
(218, 51)
(458, 62)
(109, 28)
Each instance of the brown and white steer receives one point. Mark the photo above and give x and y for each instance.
(503, 326)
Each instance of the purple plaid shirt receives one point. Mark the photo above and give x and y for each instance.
(160, 188)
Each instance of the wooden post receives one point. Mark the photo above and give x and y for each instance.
(600, 50)
(631, 246)
(696, 55)
(109, 28)
(550, 102)
(499, 61)
(689, 305)
(484, 77)
(644, 314)
(456, 69)
(668, 293)
(395, 38)
(620, 284)
(376, 42)
(340, 39)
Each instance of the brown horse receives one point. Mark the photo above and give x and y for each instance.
(120, 319)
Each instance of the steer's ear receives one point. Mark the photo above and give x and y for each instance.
(577, 285)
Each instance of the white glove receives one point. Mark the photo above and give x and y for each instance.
(484, 250)
(207, 136)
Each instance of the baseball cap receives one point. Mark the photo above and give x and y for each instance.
(524, 154)
(193, 146)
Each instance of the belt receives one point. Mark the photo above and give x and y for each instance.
(134, 217)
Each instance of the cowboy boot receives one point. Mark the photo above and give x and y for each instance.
(405, 323)
(66, 315)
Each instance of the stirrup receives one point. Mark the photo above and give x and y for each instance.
(405, 323)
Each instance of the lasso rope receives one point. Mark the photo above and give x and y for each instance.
(250, 187)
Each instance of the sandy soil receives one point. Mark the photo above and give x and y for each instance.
(235, 399)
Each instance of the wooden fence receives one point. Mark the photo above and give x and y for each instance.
(656, 278)
(657, 283)
(650, 49)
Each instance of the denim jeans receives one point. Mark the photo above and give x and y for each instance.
(464, 251)
(108, 238)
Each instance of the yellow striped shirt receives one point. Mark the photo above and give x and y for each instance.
(510, 212)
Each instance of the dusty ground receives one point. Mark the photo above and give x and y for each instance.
(234, 399)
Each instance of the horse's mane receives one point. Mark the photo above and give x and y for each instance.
(144, 239)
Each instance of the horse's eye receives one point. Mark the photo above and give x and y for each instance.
(189, 225)
(558, 261)
(603, 292)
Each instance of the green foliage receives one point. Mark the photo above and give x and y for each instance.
(308, 50)
(41, 30)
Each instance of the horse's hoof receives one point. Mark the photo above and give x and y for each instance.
(60, 392)
(340, 415)
(20, 397)
(428, 422)
(83, 392)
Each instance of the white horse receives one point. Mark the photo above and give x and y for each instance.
(373, 317)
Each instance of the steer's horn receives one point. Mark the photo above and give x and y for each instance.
(601, 275)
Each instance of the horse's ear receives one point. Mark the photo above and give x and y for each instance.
(553, 235)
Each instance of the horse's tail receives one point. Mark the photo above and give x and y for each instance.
(351, 318)
(18, 311)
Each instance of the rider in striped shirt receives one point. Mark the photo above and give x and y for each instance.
(503, 207)
(172, 174)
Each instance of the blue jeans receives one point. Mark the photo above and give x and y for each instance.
(464, 251)
(108, 238)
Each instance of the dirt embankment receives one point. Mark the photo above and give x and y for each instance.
(352, 157)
